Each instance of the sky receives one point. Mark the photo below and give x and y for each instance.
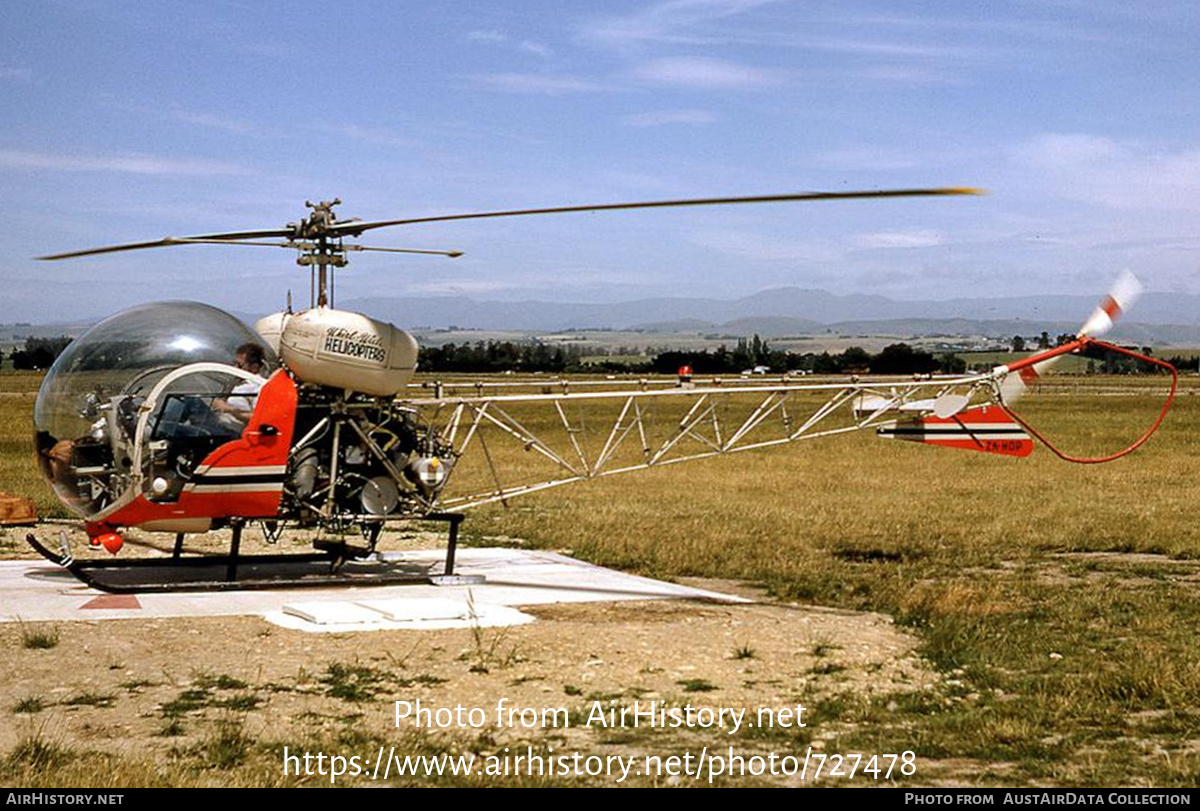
(129, 121)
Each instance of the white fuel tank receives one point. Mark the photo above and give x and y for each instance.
(270, 327)
(347, 350)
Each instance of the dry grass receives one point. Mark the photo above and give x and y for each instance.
(1058, 670)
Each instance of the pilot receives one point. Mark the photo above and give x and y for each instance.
(240, 402)
(55, 455)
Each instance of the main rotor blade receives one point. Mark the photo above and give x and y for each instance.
(451, 254)
(356, 228)
(168, 241)
(303, 246)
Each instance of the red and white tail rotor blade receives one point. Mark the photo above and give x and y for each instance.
(1015, 383)
(1120, 298)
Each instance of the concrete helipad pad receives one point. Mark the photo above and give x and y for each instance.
(39, 591)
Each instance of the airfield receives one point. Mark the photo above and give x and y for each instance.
(1011, 622)
(44, 592)
(160, 683)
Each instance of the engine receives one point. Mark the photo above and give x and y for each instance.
(361, 460)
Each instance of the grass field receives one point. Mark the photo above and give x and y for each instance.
(1059, 602)
(1057, 598)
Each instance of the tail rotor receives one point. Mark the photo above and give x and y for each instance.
(1018, 377)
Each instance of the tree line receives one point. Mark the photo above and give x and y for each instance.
(38, 354)
(500, 356)
(494, 356)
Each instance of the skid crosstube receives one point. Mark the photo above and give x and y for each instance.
(235, 571)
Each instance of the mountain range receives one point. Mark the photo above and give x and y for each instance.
(1159, 317)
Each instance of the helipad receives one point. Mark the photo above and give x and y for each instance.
(41, 591)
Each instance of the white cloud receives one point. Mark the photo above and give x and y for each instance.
(1125, 175)
(676, 22)
(700, 71)
(884, 48)
(902, 74)
(213, 122)
(487, 36)
(900, 239)
(537, 83)
(1053, 150)
(535, 48)
(369, 135)
(658, 118)
(128, 163)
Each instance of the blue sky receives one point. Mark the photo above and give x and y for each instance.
(127, 121)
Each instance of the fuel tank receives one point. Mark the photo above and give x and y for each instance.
(343, 349)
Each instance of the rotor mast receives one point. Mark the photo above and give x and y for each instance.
(322, 250)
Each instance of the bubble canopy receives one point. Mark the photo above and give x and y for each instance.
(123, 357)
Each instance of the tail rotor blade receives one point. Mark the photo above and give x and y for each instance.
(1120, 298)
(1017, 383)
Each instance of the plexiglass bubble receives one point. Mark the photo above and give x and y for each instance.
(87, 407)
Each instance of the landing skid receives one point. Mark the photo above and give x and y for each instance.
(335, 566)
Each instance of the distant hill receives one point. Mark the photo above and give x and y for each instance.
(1160, 318)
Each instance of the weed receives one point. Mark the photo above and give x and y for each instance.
(824, 647)
(222, 682)
(136, 685)
(173, 728)
(353, 682)
(240, 703)
(484, 654)
(36, 638)
(697, 686)
(29, 705)
(90, 700)
(826, 668)
(227, 745)
(36, 753)
(401, 662)
(187, 701)
(743, 652)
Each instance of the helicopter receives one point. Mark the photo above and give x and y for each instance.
(143, 422)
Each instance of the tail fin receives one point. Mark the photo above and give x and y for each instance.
(983, 428)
